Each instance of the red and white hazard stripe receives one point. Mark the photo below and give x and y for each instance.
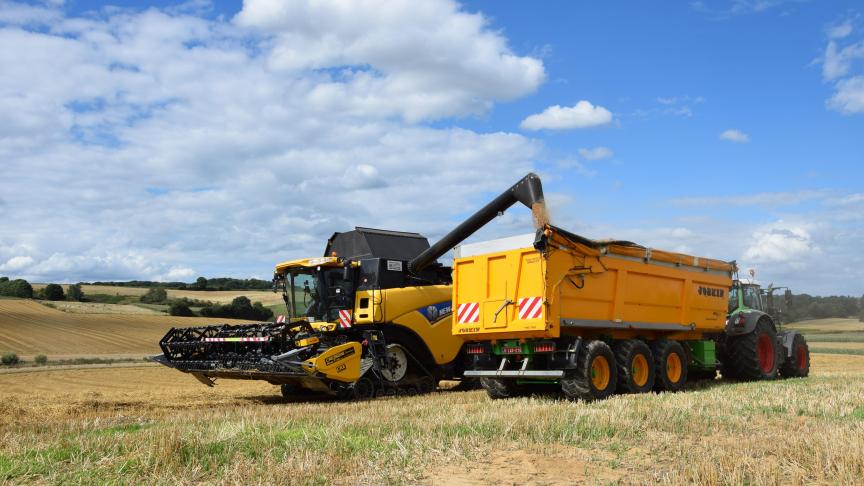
(345, 318)
(468, 312)
(530, 307)
(280, 319)
(236, 339)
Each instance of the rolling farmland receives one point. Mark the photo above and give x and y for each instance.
(29, 328)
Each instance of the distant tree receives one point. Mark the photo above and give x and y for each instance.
(155, 296)
(4, 279)
(53, 292)
(40, 359)
(75, 293)
(181, 309)
(16, 288)
(201, 283)
(239, 308)
(10, 359)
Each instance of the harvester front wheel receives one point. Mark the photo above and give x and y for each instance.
(635, 366)
(797, 365)
(670, 365)
(499, 388)
(595, 377)
(754, 356)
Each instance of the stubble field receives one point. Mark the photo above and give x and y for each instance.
(142, 423)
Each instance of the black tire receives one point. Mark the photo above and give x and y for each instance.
(498, 388)
(363, 389)
(290, 390)
(635, 365)
(725, 368)
(754, 356)
(580, 384)
(797, 365)
(670, 365)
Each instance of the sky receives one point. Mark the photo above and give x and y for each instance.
(171, 140)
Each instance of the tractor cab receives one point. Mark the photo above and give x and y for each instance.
(745, 294)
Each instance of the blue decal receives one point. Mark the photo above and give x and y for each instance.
(436, 311)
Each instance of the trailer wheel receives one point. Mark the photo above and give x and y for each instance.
(670, 365)
(498, 388)
(635, 366)
(753, 356)
(595, 377)
(798, 365)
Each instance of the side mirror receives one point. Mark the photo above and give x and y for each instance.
(346, 271)
(787, 296)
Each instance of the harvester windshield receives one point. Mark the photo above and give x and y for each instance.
(318, 293)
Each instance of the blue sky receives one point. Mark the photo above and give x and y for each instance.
(199, 138)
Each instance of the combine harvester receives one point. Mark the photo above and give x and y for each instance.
(599, 317)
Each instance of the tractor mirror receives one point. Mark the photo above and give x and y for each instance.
(787, 296)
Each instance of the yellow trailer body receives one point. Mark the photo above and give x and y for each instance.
(572, 285)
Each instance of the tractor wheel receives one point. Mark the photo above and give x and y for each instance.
(499, 388)
(798, 365)
(595, 377)
(754, 356)
(670, 365)
(635, 366)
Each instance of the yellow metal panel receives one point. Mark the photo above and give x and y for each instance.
(582, 284)
(340, 363)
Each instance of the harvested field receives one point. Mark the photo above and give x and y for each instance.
(97, 308)
(828, 325)
(151, 424)
(28, 328)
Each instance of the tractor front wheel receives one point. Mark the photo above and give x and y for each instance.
(797, 365)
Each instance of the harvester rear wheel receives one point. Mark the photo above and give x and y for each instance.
(670, 365)
(497, 388)
(635, 366)
(754, 356)
(797, 365)
(595, 377)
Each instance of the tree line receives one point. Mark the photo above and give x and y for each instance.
(201, 283)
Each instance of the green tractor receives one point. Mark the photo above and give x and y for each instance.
(755, 346)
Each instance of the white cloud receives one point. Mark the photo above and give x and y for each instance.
(596, 153)
(838, 66)
(841, 30)
(16, 263)
(581, 115)
(848, 97)
(171, 142)
(734, 135)
(838, 61)
(780, 243)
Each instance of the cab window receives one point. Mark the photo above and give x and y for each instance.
(752, 298)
